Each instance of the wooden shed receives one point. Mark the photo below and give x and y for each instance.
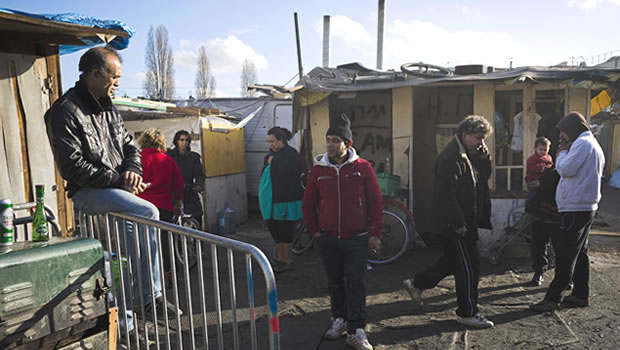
(30, 82)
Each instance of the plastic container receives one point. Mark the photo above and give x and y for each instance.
(226, 221)
(389, 184)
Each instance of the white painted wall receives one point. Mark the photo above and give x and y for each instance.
(223, 190)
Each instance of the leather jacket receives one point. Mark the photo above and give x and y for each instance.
(91, 145)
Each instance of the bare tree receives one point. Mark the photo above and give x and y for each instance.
(159, 81)
(212, 87)
(204, 77)
(248, 77)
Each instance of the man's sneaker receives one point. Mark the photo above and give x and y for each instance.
(337, 330)
(576, 301)
(538, 279)
(545, 305)
(359, 340)
(476, 320)
(414, 293)
(159, 309)
(570, 286)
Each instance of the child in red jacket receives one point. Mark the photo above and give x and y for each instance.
(538, 162)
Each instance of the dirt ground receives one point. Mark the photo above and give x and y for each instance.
(394, 323)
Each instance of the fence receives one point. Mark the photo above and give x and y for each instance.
(134, 249)
(24, 221)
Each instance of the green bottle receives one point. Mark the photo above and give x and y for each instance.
(39, 223)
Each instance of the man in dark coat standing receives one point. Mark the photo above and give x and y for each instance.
(192, 172)
(461, 204)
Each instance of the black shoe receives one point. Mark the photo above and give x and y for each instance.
(545, 305)
(576, 301)
(538, 279)
(159, 309)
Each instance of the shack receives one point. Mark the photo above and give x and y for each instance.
(401, 120)
(30, 81)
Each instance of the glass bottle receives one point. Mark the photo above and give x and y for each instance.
(39, 223)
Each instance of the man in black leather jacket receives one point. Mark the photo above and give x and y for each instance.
(99, 160)
(461, 205)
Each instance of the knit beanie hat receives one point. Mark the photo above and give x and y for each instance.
(573, 124)
(340, 126)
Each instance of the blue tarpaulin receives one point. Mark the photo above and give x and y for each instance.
(118, 43)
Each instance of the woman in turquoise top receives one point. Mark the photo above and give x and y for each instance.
(280, 193)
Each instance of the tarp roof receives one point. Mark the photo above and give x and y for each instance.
(354, 77)
(72, 32)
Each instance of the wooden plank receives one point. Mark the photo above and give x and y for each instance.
(12, 184)
(42, 38)
(64, 205)
(35, 101)
(484, 105)
(28, 197)
(196, 111)
(32, 24)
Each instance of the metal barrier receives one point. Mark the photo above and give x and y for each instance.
(24, 221)
(127, 237)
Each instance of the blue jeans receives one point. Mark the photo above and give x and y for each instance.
(96, 201)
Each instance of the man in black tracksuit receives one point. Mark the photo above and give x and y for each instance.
(461, 204)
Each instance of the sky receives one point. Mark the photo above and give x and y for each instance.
(445, 33)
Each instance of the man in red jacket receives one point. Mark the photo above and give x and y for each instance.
(343, 208)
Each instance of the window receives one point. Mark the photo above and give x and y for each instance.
(508, 133)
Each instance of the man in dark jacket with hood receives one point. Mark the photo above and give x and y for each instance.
(192, 172)
(461, 204)
(580, 163)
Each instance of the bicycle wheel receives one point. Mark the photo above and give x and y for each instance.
(394, 239)
(192, 260)
(303, 240)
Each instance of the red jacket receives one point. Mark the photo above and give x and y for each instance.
(165, 178)
(343, 201)
(536, 165)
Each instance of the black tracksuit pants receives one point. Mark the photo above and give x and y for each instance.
(542, 234)
(345, 265)
(572, 261)
(460, 258)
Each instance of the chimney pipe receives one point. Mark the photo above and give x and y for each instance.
(298, 40)
(326, 20)
(380, 25)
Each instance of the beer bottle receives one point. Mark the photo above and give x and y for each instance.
(39, 223)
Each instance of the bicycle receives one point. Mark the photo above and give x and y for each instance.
(394, 239)
(188, 221)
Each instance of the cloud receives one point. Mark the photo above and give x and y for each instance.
(351, 33)
(591, 4)
(419, 41)
(467, 11)
(225, 54)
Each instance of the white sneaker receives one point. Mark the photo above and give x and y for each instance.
(475, 321)
(337, 330)
(414, 293)
(359, 340)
